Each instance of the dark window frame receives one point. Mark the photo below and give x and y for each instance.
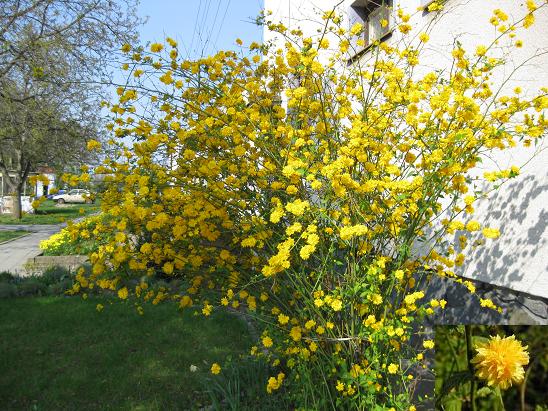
(359, 12)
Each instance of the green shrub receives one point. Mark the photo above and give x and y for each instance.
(59, 288)
(31, 286)
(6, 276)
(55, 275)
(54, 281)
(7, 290)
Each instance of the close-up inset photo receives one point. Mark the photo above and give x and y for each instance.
(495, 368)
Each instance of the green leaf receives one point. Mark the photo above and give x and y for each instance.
(453, 381)
(484, 392)
(452, 404)
(476, 340)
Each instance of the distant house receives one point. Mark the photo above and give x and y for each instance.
(40, 189)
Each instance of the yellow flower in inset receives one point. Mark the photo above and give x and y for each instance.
(500, 361)
(393, 368)
(481, 50)
(531, 5)
(376, 299)
(215, 368)
(310, 324)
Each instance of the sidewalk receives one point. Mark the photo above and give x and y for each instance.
(14, 254)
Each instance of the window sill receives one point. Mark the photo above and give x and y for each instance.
(359, 54)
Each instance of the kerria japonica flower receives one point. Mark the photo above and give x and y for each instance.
(500, 361)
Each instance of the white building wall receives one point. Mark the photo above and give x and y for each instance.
(519, 258)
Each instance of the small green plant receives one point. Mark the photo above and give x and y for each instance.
(240, 386)
(59, 288)
(55, 275)
(31, 287)
(54, 281)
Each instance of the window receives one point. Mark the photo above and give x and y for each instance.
(374, 15)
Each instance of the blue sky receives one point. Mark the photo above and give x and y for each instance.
(201, 26)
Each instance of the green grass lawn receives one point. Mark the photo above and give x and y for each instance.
(50, 213)
(11, 234)
(60, 353)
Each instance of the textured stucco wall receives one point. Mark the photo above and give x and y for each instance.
(519, 258)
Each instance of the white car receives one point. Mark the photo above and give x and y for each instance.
(74, 196)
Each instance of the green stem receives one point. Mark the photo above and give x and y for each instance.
(499, 395)
(523, 386)
(469, 356)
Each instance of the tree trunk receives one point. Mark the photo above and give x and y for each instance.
(16, 183)
(17, 206)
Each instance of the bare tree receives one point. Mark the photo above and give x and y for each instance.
(38, 130)
(55, 60)
(89, 30)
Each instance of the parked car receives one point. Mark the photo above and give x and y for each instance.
(50, 196)
(76, 195)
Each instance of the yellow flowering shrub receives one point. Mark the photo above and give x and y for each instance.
(82, 237)
(284, 187)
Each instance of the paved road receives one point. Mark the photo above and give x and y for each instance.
(15, 253)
